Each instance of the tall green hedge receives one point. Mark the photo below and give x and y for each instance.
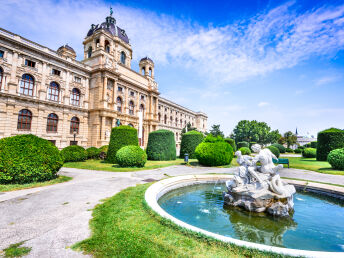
(243, 144)
(121, 136)
(161, 145)
(28, 158)
(329, 140)
(190, 141)
(232, 143)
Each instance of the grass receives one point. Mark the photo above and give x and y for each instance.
(15, 250)
(123, 226)
(14, 187)
(314, 165)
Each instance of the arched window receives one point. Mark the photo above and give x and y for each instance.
(150, 72)
(143, 70)
(130, 125)
(119, 104)
(131, 107)
(165, 119)
(75, 97)
(123, 57)
(159, 117)
(74, 125)
(142, 109)
(52, 122)
(24, 119)
(1, 76)
(107, 46)
(53, 91)
(176, 137)
(171, 120)
(89, 52)
(27, 84)
(176, 122)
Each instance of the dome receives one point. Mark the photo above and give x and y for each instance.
(146, 59)
(66, 51)
(66, 47)
(110, 26)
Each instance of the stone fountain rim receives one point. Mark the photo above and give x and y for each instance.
(160, 188)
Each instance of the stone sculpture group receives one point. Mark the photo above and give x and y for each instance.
(259, 188)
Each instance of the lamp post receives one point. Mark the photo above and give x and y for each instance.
(74, 134)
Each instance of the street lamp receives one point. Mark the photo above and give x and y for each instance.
(74, 134)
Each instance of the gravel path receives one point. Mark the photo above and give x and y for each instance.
(52, 218)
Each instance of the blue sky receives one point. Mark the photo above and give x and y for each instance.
(281, 62)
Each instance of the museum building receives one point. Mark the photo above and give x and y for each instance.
(52, 95)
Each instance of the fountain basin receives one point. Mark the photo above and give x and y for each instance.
(159, 189)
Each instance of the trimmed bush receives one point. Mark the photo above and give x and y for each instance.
(131, 156)
(214, 151)
(232, 143)
(242, 144)
(289, 150)
(298, 150)
(336, 159)
(190, 141)
(28, 158)
(329, 140)
(74, 153)
(274, 150)
(280, 147)
(121, 136)
(314, 144)
(245, 151)
(309, 153)
(161, 145)
(104, 148)
(93, 153)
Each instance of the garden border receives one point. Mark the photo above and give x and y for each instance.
(158, 189)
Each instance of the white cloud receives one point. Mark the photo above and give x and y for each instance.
(263, 104)
(326, 80)
(274, 39)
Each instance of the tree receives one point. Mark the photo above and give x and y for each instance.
(215, 131)
(254, 131)
(290, 138)
(189, 127)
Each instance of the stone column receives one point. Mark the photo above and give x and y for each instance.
(104, 88)
(114, 96)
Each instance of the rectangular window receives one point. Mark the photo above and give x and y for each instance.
(52, 141)
(56, 72)
(73, 143)
(142, 97)
(120, 89)
(77, 79)
(132, 93)
(2, 53)
(110, 84)
(30, 63)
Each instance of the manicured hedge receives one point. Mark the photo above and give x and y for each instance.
(243, 144)
(289, 150)
(274, 150)
(131, 156)
(214, 151)
(329, 140)
(245, 151)
(28, 158)
(314, 144)
(93, 153)
(104, 148)
(232, 143)
(74, 153)
(190, 141)
(280, 147)
(161, 145)
(121, 136)
(309, 153)
(298, 150)
(336, 159)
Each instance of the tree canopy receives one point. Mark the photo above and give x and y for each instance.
(254, 131)
(215, 131)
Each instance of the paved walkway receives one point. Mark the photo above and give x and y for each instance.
(52, 218)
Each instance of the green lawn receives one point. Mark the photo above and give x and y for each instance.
(13, 187)
(123, 226)
(15, 250)
(314, 165)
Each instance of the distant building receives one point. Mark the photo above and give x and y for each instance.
(303, 140)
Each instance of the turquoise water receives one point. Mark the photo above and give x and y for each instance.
(317, 223)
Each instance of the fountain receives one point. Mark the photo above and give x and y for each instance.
(259, 188)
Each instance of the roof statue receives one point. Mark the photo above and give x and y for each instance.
(111, 11)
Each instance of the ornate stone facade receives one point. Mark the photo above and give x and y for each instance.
(51, 94)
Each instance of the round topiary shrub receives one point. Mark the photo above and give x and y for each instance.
(274, 150)
(161, 145)
(329, 140)
(131, 156)
(121, 136)
(309, 153)
(74, 153)
(190, 141)
(28, 158)
(289, 150)
(245, 151)
(232, 143)
(280, 147)
(214, 151)
(243, 144)
(104, 148)
(336, 159)
(93, 153)
(298, 150)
